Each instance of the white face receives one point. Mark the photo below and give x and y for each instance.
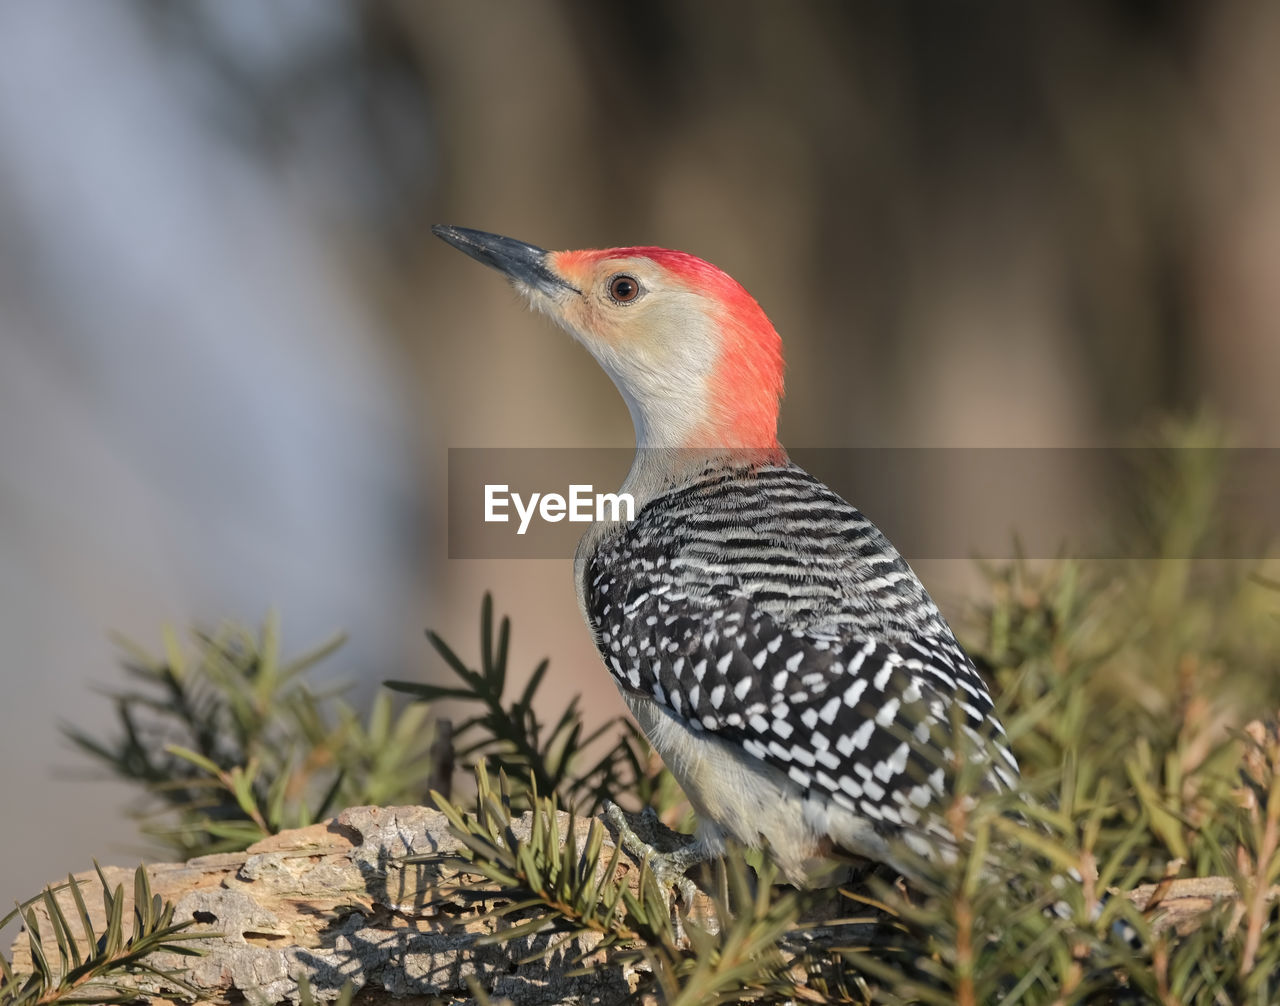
(653, 336)
(697, 361)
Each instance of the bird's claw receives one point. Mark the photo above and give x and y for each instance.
(668, 868)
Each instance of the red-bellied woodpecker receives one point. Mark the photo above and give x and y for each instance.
(777, 651)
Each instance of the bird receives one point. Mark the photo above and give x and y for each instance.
(777, 651)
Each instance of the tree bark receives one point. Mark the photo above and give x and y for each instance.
(335, 902)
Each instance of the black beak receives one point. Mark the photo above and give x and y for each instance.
(520, 262)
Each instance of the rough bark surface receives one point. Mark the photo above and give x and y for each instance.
(336, 902)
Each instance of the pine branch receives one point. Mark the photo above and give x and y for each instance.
(100, 964)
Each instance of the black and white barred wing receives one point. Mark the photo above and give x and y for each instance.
(866, 723)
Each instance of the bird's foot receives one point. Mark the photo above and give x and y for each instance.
(669, 868)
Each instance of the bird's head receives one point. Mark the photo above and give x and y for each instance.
(694, 356)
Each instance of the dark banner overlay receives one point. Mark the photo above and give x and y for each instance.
(933, 503)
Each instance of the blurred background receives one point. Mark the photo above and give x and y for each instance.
(233, 358)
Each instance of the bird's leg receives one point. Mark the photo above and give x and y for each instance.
(669, 868)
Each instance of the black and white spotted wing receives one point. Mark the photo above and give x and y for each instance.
(757, 606)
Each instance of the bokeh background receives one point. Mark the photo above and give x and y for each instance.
(232, 357)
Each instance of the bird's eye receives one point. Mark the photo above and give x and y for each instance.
(623, 288)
